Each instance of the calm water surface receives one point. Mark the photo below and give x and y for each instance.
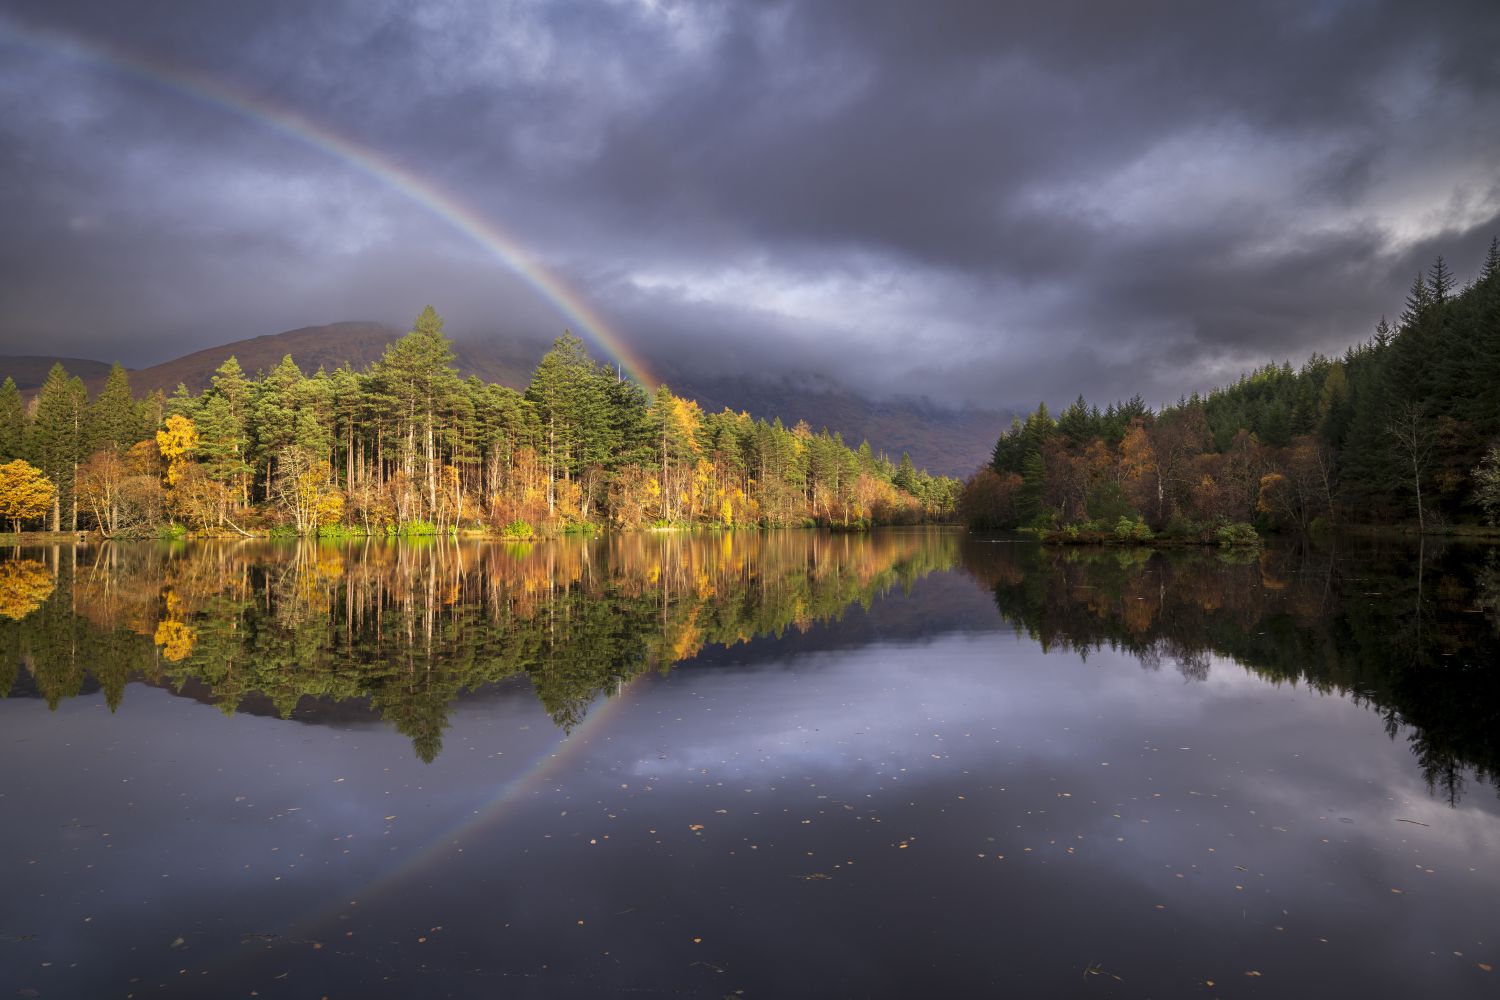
(904, 764)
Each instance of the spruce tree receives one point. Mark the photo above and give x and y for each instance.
(12, 422)
(114, 422)
(58, 440)
(906, 475)
(1491, 266)
(1440, 281)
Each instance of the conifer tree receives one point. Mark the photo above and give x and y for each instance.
(415, 380)
(58, 441)
(1491, 266)
(906, 474)
(1440, 281)
(114, 422)
(12, 421)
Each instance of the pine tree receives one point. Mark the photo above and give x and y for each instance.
(220, 443)
(416, 381)
(1077, 424)
(58, 441)
(274, 416)
(906, 475)
(232, 398)
(1418, 304)
(571, 395)
(12, 422)
(182, 403)
(1491, 266)
(348, 392)
(1440, 281)
(229, 382)
(114, 422)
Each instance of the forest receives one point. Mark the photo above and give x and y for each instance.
(408, 447)
(1404, 428)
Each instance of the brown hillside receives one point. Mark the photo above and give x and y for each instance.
(356, 343)
(30, 370)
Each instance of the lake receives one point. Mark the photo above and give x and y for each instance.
(905, 763)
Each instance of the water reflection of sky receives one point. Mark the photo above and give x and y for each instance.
(861, 811)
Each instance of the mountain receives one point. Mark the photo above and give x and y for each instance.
(30, 370)
(950, 442)
(944, 441)
(355, 343)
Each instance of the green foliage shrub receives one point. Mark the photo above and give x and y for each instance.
(1236, 535)
(1180, 526)
(1132, 530)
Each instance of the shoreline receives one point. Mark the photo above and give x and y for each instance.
(462, 534)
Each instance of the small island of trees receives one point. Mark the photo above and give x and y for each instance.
(408, 447)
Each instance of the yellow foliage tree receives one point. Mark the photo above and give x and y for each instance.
(177, 439)
(24, 492)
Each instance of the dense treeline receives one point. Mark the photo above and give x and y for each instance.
(409, 447)
(1403, 427)
(408, 627)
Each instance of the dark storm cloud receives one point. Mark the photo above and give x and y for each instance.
(971, 200)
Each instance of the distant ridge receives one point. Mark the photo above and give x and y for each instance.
(944, 441)
(30, 370)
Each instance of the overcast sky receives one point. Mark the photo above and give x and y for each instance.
(983, 201)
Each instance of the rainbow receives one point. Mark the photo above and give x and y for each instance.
(491, 813)
(468, 221)
(508, 793)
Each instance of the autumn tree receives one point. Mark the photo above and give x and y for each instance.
(25, 493)
(305, 492)
(122, 492)
(1487, 482)
(989, 499)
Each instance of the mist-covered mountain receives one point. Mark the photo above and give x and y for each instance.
(944, 441)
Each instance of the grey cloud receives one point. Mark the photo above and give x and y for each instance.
(1041, 200)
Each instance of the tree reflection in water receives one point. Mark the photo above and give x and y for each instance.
(1410, 631)
(406, 628)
